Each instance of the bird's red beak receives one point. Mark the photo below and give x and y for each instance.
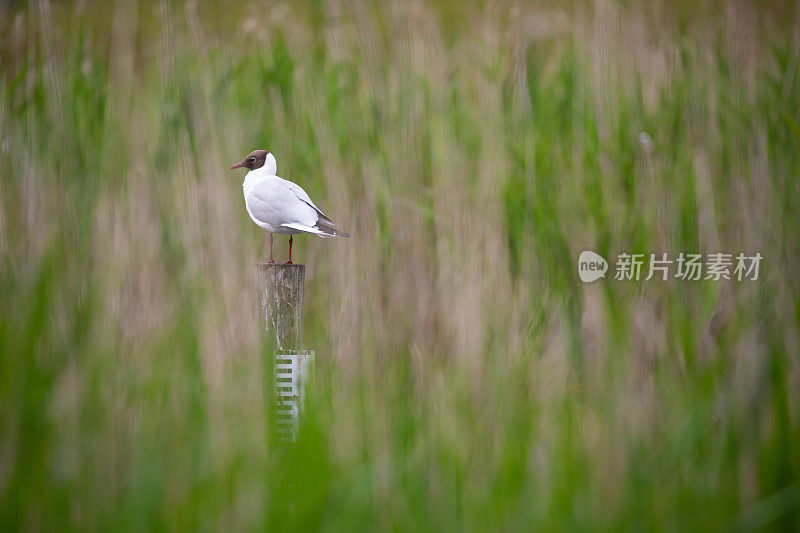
(238, 165)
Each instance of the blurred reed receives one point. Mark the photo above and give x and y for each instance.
(466, 378)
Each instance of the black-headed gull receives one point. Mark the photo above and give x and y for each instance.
(278, 205)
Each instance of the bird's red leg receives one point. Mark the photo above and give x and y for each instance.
(270, 249)
(289, 262)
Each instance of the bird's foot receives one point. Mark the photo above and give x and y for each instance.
(288, 263)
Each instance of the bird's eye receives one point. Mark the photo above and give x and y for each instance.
(252, 159)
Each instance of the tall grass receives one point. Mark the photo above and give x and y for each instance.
(466, 379)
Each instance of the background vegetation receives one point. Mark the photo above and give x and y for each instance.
(466, 379)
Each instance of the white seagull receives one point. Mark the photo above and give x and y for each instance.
(278, 205)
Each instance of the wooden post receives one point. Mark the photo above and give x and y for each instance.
(280, 293)
(280, 296)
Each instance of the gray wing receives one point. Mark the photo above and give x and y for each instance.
(275, 203)
(303, 195)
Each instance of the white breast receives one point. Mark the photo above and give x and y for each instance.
(251, 180)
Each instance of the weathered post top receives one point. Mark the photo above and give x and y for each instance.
(280, 292)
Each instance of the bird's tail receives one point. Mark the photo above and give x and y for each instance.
(329, 231)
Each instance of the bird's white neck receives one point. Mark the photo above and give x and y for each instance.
(254, 177)
(268, 169)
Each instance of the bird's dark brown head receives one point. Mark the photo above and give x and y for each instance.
(254, 160)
